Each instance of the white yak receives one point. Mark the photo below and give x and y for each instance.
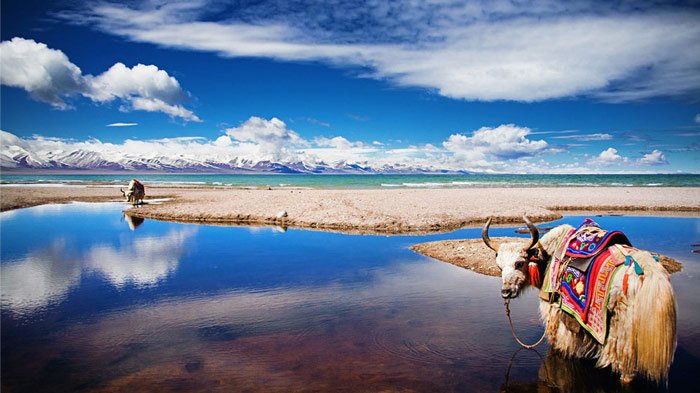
(135, 192)
(641, 335)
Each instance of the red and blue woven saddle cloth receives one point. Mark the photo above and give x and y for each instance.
(582, 270)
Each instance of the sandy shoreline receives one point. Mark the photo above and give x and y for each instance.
(371, 210)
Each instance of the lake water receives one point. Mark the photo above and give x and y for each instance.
(360, 181)
(88, 304)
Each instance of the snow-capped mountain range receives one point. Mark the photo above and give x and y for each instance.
(14, 157)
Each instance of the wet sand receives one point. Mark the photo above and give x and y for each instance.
(370, 210)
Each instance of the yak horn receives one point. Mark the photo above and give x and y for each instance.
(533, 231)
(122, 192)
(485, 234)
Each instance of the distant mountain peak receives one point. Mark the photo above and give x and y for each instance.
(15, 157)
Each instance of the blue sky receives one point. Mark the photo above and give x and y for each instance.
(493, 86)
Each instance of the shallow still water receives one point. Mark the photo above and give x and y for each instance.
(92, 302)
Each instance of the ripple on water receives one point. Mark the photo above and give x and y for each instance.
(219, 333)
(420, 349)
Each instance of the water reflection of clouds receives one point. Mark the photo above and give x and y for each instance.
(46, 275)
(266, 229)
(435, 289)
(145, 261)
(39, 278)
(82, 207)
(408, 314)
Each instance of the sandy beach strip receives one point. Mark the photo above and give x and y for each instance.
(391, 211)
(17, 196)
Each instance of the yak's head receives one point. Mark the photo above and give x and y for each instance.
(520, 265)
(127, 195)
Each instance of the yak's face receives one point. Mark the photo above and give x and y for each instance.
(512, 260)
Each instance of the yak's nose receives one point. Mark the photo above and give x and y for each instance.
(505, 293)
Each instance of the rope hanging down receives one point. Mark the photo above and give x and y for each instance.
(506, 302)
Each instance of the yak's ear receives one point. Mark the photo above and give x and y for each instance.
(537, 253)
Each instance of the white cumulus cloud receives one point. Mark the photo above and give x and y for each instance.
(337, 142)
(120, 81)
(223, 140)
(656, 157)
(505, 142)
(273, 132)
(45, 73)
(49, 76)
(608, 156)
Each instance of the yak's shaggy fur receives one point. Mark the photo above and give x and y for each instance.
(135, 192)
(642, 329)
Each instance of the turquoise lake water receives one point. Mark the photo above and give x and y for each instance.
(94, 302)
(367, 181)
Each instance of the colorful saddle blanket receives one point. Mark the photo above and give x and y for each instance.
(588, 267)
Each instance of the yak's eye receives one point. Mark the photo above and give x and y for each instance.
(519, 265)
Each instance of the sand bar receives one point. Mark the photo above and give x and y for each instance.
(372, 210)
(473, 254)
